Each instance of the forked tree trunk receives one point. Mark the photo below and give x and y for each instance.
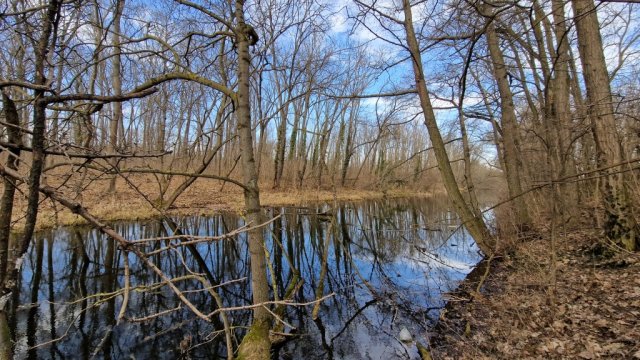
(562, 94)
(509, 129)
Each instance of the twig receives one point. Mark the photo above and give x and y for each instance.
(96, 155)
(180, 173)
(201, 239)
(52, 341)
(158, 314)
(278, 318)
(102, 342)
(197, 239)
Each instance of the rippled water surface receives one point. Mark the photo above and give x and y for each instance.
(387, 262)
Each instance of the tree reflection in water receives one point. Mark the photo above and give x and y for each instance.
(388, 263)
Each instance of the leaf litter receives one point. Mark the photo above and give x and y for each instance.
(591, 311)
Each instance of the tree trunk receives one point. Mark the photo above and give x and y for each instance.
(45, 43)
(256, 344)
(6, 211)
(6, 204)
(475, 225)
(619, 223)
(509, 129)
(562, 94)
(116, 120)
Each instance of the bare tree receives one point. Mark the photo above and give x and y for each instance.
(620, 225)
(509, 124)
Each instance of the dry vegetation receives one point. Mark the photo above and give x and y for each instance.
(592, 311)
(135, 196)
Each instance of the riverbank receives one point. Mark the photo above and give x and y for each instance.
(590, 311)
(135, 200)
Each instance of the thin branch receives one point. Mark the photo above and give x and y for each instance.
(127, 288)
(158, 314)
(368, 96)
(83, 156)
(200, 239)
(281, 302)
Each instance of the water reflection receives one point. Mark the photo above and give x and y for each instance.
(388, 262)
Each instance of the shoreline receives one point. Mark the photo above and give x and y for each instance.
(197, 201)
(590, 311)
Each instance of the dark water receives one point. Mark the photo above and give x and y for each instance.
(388, 263)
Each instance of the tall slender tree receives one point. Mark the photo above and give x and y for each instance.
(619, 224)
(476, 226)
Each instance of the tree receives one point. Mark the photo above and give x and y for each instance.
(620, 226)
(116, 121)
(509, 125)
(256, 344)
(476, 226)
(394, 26)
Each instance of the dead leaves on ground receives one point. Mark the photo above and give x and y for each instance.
(592, 312)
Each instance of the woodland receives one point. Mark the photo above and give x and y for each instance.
(525, 115)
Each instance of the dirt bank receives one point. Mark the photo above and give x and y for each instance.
(591, 310)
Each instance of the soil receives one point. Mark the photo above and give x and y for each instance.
(590, 311)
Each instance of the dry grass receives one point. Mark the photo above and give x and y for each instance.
(135, 196)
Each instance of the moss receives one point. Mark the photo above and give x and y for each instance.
(256, 344)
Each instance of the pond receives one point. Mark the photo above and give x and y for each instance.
(384, 263)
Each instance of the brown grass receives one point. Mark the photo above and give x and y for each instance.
(134, 197)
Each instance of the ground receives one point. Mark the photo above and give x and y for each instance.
(133, 198)
(592, 312)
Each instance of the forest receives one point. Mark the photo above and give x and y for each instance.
(279, 179)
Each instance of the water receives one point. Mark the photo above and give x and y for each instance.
(386, 262)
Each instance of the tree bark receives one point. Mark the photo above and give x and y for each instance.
(6, 211)
(12, 265)
(475, 225)
(509, 128)
(619, 224)
(117, 119)
(562, 95)
(256, 344)
(6, 204)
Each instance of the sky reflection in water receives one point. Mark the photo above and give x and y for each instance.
(388, 263)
